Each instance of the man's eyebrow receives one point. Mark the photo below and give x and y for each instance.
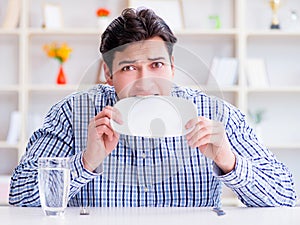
(133, 61)
(157, 58)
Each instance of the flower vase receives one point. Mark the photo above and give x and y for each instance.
(61, 77)
(103, 22)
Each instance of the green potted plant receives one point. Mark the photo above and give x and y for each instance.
(257, 118)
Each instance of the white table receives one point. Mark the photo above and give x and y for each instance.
(153, 216)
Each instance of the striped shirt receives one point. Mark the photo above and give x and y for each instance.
(144, 171)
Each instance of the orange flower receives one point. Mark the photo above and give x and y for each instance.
(102, 12)
(61, 53)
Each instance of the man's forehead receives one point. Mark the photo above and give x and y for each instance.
(141, 49)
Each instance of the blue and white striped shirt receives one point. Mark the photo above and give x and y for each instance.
(151, 171)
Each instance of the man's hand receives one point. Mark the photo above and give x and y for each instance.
(102, 139)
(210, 137)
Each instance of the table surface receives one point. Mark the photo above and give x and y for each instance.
(154, 216)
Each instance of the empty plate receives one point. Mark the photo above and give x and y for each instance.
(154, 116)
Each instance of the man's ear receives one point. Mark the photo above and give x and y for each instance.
(108, 75)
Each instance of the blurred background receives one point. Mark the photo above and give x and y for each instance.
(226, 48)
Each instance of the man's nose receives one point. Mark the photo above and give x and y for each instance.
(143, 72)
(144, 82)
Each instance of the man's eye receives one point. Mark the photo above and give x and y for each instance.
(157, 65)
(128, 68)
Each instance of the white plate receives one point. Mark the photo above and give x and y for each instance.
(154, 116)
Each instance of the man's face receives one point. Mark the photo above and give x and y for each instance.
(142, 68)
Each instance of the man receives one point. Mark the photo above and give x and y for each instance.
(111, 169)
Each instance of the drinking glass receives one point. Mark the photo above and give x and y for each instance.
(54, 184)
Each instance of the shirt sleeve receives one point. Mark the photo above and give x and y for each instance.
(258, 178)
(54, 139)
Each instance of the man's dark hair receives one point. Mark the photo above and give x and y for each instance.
(131, 26)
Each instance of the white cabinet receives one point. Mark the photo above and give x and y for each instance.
(27, 80)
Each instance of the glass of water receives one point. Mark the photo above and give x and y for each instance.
(54, 184)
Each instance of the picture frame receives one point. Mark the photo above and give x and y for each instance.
(14, 131)
(169, 10)
(223, 71)
(53, 18)
(256, 72)
(12, 17)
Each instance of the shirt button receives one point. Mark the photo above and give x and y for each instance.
(146, 189)
(144, 155)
